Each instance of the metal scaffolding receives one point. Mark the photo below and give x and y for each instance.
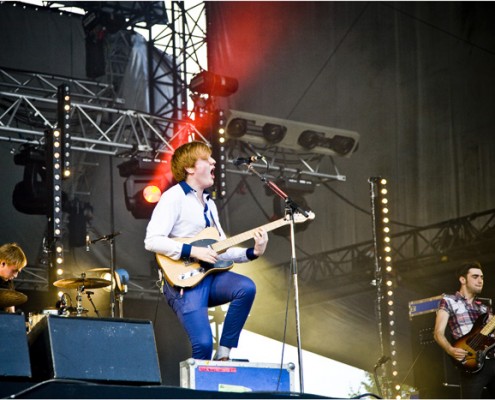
(419, 252)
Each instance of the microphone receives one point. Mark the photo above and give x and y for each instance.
(241, 160)
(87, 242)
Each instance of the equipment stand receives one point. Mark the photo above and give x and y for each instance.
(111, 239)
(290, 208)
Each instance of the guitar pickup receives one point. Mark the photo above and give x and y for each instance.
(190, 274)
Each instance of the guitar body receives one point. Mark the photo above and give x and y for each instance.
(188, 273)
(476, 344)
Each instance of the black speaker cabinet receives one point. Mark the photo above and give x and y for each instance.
(435, 375)
(14, 353)
(95, 349)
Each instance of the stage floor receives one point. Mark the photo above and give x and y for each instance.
(72, 389)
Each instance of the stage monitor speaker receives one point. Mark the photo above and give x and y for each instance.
(14, 352)
(435, 375)
(94, 349)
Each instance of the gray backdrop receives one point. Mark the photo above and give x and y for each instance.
(414, 79)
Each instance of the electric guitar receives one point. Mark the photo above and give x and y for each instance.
(188, 273)
(477, 343)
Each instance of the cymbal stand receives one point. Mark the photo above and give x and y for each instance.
(79, 307)
(88, 293)
(120, 300)
(290, 208)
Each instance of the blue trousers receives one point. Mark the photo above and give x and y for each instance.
(191, 307)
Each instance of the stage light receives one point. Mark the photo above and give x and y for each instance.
(63, 113)
(141, 195)
(213, 85)
(30, 196)
(273, 133)
(339, 144)
(152, 193)
(384, 267)
(218, 153)
(300, 136)
(237, 127)
(145, 181)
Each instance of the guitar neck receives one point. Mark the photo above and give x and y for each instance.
(242, 237)
(488, 328)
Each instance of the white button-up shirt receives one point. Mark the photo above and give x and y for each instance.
(180, 214)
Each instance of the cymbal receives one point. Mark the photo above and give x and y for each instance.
(99, 270)
(10, 297)
(88, 283)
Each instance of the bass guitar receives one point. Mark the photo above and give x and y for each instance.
(477, 343)
(188, 273)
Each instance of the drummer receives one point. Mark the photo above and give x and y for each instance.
(12, 261)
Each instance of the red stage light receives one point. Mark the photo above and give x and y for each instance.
(152, 193)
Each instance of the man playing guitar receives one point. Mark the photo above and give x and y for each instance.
(184, 211)
(466, 317)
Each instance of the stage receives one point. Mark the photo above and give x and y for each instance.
(71, 357)
(73, 389)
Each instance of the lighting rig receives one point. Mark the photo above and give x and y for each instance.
(386, 282)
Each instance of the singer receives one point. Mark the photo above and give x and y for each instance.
(183, 211)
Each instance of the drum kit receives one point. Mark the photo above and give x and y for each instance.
(11, 297)
(80, 284)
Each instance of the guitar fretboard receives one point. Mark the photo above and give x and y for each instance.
(242, 237)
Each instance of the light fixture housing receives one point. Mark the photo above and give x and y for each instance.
(299, 136)
(212, 84)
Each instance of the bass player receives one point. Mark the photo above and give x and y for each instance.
(465, 316)
(184, 211)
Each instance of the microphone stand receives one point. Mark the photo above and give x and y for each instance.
(111, 239)
(290, 208)
(379, 363)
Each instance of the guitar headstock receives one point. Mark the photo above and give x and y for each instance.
(299, 218)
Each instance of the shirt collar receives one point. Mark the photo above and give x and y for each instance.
(459, 296)
(187, 189)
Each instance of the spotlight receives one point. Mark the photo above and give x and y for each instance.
(274, 133)
(214, 85)
(145, 181)
(339, 144)
(237, 127)
(267, 133)
(141, 195)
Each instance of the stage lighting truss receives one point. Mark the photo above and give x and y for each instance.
(298, 136)
(385, 276)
